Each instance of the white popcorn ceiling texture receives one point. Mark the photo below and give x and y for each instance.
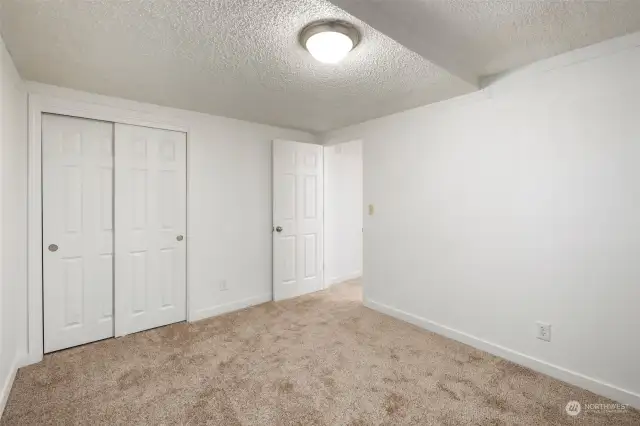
(506, 34)
(242, 58)
(239, 59)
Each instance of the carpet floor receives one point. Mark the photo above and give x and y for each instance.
(321, 359)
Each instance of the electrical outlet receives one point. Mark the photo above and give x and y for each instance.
(371, 209)
(543, 331)
(223, 285)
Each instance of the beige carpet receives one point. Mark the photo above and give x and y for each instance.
(322, 359)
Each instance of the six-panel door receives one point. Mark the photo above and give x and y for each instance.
(297, 219)
(77, 230)
(150, 223)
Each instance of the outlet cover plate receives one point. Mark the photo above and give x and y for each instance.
(543, 331)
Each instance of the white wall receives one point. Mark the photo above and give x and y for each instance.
(343, 211)
(229, 205)
(517, 204)
(13, 222)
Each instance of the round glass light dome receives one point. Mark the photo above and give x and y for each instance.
(329, 42)
(329, 47)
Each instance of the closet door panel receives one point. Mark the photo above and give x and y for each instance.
(150, 219)
(77, 177)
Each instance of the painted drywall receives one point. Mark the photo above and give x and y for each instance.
(517, 204)
(343, 211)
(229, 200)
(13, 221)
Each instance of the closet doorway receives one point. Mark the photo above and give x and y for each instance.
(113, 229)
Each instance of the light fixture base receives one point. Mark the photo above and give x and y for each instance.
(333, 25)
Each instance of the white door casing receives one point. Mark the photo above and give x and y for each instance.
(297, 219)
(77, 221)
(150, 222)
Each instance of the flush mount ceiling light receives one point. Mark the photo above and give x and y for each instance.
(329, 41)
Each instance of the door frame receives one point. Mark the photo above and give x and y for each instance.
(330, 281)
(41, 104)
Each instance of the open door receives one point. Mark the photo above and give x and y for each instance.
(297, 219)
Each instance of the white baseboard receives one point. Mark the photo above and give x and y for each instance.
(596, 386)
(336, 280)
(230, 307)
(6, 387)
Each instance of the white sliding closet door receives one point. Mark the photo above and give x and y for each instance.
(150, 223)
(77, 222)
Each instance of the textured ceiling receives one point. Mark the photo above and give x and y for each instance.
(241, 58)
(237, 59)
(504, 34)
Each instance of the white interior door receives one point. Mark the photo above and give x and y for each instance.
(150, 222)
(297, 219)
(77, 197)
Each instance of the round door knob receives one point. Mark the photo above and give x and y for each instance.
(53, 247)
(278, 228)
(179, 238)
